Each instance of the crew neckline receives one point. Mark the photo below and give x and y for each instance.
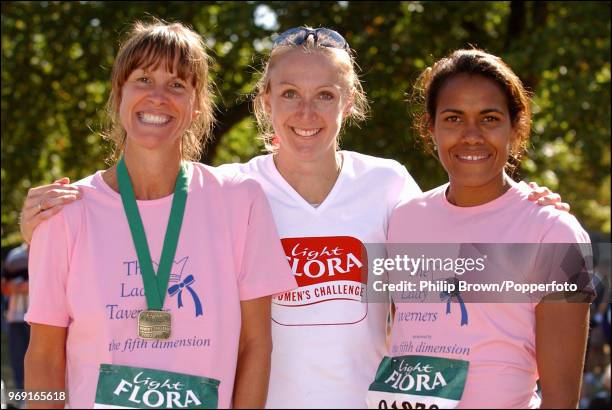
(516, 189)
(144, 202)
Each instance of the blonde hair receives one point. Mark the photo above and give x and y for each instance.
(148, 45)
(473, 62)
(359, 106)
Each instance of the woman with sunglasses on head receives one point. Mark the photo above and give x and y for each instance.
(485, 355)
(326, 203)
(113, 322)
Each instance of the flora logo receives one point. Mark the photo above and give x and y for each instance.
(155, 394)
(330, 271)
(418, 382)
(415, 378)
(324, 259)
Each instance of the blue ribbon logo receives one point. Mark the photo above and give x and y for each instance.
(186, 284)
(464, 314)
(448, 298)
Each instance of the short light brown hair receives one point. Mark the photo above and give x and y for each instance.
(473, 62)
(148, 45)
(359, 107)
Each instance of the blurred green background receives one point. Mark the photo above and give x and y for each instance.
(57, 56)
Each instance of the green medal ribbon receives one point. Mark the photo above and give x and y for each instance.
(155, 286)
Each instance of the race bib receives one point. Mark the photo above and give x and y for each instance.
(138, 388)
(418, 382)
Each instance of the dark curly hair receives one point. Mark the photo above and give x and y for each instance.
(473, 62)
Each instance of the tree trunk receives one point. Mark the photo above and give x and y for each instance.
(540, 13)
(516, 23)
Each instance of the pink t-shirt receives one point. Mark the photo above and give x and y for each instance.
(499, 338)
(84, 275)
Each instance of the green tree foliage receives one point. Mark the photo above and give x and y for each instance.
(56, 59)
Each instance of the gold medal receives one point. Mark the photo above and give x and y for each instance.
(154, 324)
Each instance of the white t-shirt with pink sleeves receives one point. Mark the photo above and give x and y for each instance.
(327, 342)
(84, 275)
(498, 339)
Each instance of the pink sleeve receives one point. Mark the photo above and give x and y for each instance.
(48, 274)
(405, 190)
(393, 221)
(410, 188)
(569, 254)
(264, 269)
(566, 229)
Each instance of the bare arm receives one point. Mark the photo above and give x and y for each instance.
(561, 337)
(43, 202)
(45, 363)
(253, 371)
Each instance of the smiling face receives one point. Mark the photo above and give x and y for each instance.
(307, 99)
(156, 108)
(473, 132)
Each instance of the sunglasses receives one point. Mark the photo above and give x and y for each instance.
(324, 37)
